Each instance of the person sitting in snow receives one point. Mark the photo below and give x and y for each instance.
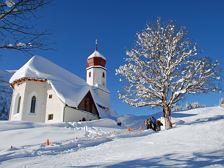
(152, 122)
(158, 125)
(146, 122)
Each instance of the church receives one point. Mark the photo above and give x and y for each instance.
(47, 93)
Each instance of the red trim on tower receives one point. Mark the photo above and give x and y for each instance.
(96, 61)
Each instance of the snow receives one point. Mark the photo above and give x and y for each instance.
(69, 88)
(197, 140)
(10, 3)
(20, 44)
(96, 54)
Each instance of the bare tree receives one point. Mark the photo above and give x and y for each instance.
(17, 30)
(163, 67)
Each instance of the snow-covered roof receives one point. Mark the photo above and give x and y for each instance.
(70, 88)
(96, 54)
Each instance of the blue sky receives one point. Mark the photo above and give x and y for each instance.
(75, 24)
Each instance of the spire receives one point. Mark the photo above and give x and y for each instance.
(96, 53)
(96, 45)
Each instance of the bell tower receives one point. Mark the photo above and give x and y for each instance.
(96, 70)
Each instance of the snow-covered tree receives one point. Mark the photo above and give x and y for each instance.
(5, 94)
(163, 67)
(193, 105)
(3, 109)
(17, 30)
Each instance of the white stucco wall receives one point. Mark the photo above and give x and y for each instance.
(96, 78)
(71, 114)
(89, 79)
(18, 91)
(39, 90)
(54, 106)
(44, 105)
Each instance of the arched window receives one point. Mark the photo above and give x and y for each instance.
(18, 105)
(33, 104)
(89, 74)
(103, 75)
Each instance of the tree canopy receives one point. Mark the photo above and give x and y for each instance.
(163, 67)
(17, 30)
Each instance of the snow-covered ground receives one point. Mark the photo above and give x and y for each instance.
(197, 140)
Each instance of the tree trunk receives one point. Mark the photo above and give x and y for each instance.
(166, 115)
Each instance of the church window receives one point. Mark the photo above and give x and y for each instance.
(50, 96)
(33, 104)
(18, 106)
(103, 75)
(50, 117)
(89, 74)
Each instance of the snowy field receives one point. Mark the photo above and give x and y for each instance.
(197, 140)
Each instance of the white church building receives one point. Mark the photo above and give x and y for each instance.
(45, 92)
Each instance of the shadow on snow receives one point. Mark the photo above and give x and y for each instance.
(194, 160)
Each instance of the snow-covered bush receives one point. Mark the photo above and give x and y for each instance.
(188, 106)
(177, 108)
(193, 105)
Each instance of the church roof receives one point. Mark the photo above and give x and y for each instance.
(70, 88)
(96, 53)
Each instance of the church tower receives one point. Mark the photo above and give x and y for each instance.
(96, 76)
(96, 70)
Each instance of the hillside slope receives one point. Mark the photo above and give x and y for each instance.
(197, 140)
(5, 93)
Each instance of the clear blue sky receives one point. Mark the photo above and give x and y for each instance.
(75, 24)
